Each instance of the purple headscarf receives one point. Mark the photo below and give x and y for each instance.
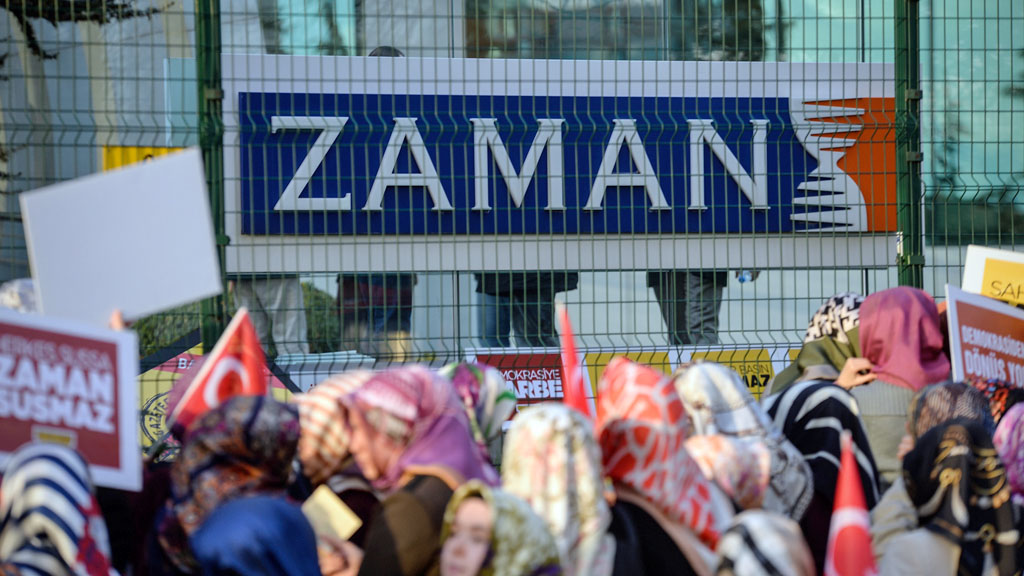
(419, 409)
(1009, 441)
(901, 336)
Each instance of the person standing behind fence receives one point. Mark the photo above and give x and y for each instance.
(278, 312)
(523, 302)
(375, 310)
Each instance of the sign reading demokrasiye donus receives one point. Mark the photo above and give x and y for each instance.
(445, 164)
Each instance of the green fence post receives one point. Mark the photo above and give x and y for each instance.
(908, 145)
(211, 141)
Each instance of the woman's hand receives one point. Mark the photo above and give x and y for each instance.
(338, 557)
(856, 372)
(906, 445)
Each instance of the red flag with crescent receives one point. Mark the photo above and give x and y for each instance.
(849, 539)
(235, 367)
(572, 376)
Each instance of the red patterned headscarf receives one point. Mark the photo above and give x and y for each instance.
(642, 428)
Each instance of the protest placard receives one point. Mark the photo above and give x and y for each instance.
(994, 273)
(72, 384)
(986, 338)
(139, 239)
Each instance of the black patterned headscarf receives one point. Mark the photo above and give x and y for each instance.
(959, 487)
(940, 403)
(832, 337)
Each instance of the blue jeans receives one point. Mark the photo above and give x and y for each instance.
(532, 320)
(495, 321)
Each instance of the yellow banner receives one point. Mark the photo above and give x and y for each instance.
(120, 156)
(753, 365)
(1003, 280)
(156, 383)
(596, 362)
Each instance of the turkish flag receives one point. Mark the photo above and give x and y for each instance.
(572, 376)
(235, 367)
(849, 539)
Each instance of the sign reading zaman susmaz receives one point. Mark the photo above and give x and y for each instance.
(73, 384)
(465, 164)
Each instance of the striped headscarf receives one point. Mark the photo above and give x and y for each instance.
(813, 416)
(324, 440)
(552, 461)
(760, 543)
(50, 523)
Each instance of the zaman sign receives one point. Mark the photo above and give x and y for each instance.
(416, 152)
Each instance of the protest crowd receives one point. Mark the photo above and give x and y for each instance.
(862, 457)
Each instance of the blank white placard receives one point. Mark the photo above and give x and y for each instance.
(139, 239)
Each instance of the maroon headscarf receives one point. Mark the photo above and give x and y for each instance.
(900, 334)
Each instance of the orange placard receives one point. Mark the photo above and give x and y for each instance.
(986, 338)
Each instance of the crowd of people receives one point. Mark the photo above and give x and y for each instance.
(674, 474)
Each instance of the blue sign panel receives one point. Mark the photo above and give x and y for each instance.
(398, 164)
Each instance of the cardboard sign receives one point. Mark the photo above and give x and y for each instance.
(329, 516)
(67, 383)
(995, 273)
(139, 239)
(986, 338)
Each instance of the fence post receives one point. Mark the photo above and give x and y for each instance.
(910, 251)
(211, 141)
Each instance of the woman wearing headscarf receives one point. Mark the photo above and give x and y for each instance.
(244, 447)
(939, 403)
(256, 536)
(832, 341)
(490, 532)
(324, 442)
(900, 335)
(50, 523)
(965, 518)
(323, 450)
(718, 402)
(1009, 442)
(741, 469)
(674, 513)
(552, 462)
(413, 442)
(813, 415)
(488, 401)
(932, 407)
(760, 543)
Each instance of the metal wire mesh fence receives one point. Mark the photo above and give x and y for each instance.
(691, 177)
